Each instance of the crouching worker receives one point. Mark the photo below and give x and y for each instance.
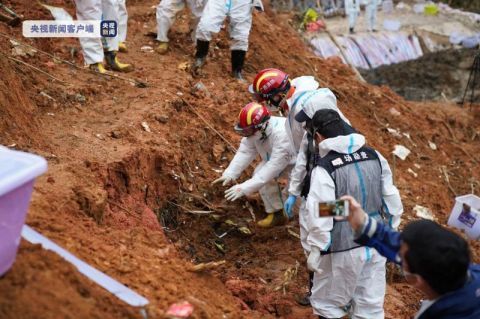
(349, 278)
(434, 260)
(263, 135)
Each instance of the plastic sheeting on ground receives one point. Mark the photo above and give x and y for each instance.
(367, 51)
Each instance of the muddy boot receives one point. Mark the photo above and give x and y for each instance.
(305, 300)
(122, 47)
(97, 67)
(200, 56)
(162, 47)
(115, 65)
(238, 59)
(273, 219)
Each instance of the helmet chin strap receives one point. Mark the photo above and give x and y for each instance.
(263, 132)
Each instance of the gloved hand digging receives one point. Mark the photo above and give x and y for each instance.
(225, 179)
(289, 204)
(234, 193)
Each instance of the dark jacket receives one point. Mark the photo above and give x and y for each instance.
(463, 303)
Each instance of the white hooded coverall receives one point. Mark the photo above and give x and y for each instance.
(97, 10)
(309, 98)
(352, 9)
(167, 11)
(276, 156)
(215, 12)
(355, 276)
(371, 13)
(122, 20)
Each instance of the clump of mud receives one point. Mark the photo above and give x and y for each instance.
(435, 76)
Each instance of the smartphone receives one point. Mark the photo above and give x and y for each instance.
(337, 209)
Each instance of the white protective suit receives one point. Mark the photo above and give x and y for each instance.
(276, 156)
(352, 9)
(122, 20)
(309, 98)
(240, 14)
(371, 7)
(356, 275)
(97, 10)
(167, 11)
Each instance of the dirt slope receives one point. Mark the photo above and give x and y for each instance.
(118, 196)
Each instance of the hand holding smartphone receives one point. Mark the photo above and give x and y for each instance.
(337, 209)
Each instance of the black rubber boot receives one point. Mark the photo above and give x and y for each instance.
(200, 55)
(305, 301)
(238, 59)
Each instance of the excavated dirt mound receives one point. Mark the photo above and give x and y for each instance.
(139, 205)
(435, 76)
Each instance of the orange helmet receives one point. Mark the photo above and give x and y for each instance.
(268, 83)
(251, 118)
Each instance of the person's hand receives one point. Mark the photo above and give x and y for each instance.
(288, 205)
(225, 179)
(234, 193)
(313, 261)
(357, 216)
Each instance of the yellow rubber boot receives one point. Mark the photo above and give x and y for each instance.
(273, 219)
(122, 47)
(97, 67)
(162, 48)
(114, 64)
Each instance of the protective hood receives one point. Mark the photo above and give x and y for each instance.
(301, 84)
(463, 303)
(345, 144)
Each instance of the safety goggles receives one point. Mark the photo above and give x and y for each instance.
(245, 132)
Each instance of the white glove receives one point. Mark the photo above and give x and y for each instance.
(313, 261)
(225, 179)
(234, 193)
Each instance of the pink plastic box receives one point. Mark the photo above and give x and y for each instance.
(18, 171)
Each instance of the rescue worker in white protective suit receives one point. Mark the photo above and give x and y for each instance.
(352, 9)
(265, 136)
(122, 25)
(348, 277)
(166, 13)
(240, 20)
(274, 87)
(93, 49)
(371, 7)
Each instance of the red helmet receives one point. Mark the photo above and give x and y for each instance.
(268, 83)
(251, 118)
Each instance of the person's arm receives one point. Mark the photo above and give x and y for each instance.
(276, 163)
(322, 189)
(392, 203)
(299, 170)
(369, 232)
(246, 153)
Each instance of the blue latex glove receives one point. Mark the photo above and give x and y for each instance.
(289, 203)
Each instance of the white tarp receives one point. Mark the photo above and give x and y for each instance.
(119, 290)
(367, 51)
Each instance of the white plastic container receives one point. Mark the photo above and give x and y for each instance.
(466, 215)
(18, 171)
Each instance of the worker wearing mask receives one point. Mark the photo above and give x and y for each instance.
(93, 49)
(434, 260)
(240, 19)
(166, 13)
(347, 275)
(274, 87)
(263, 135)
(352, 9)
